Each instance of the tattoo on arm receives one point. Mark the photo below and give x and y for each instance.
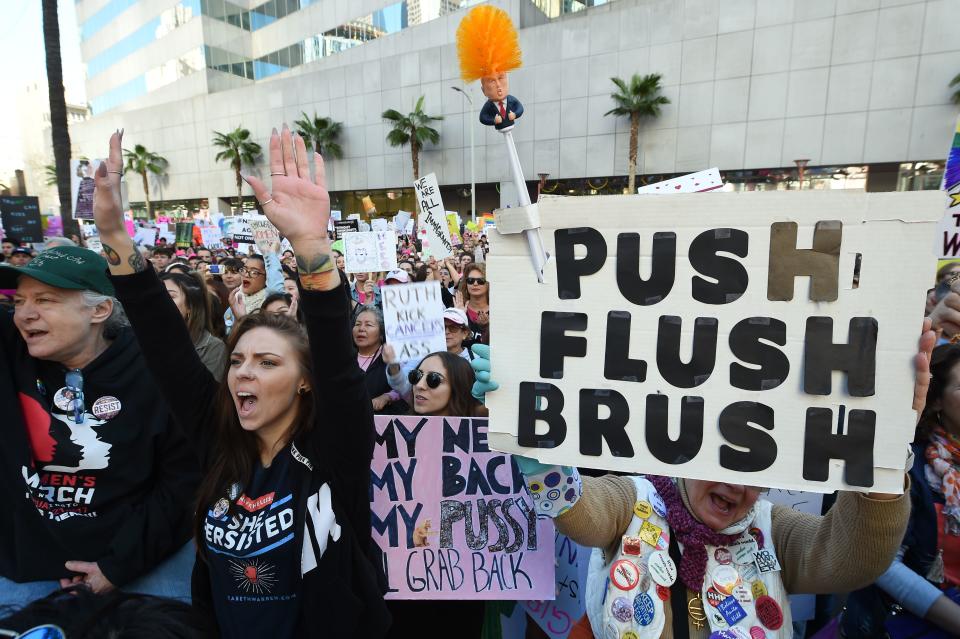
(136, 261)
(112, 258)
(314, 264)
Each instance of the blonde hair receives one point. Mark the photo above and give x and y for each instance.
(487, 43)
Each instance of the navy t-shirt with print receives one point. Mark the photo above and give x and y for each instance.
(254, 567)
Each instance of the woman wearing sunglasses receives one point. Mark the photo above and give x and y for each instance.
(282, 521)
(474, 299)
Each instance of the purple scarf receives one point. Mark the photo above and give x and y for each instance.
(694, 535)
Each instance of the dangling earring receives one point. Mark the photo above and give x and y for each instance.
(302, 391)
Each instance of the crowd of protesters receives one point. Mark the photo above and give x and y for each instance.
(221, 380)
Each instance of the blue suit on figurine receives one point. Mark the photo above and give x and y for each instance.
(500, 109)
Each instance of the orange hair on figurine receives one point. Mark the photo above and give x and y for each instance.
(487, 43)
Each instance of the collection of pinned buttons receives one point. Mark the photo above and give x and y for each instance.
(735, 592)
(733, 583)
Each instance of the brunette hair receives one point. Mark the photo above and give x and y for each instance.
(942, 362)
(197, 301)
(237, 450)
(460, 376)
(473, 266)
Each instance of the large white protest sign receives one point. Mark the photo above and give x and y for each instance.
(238, 228)
(370, 251)
(212, 237)
(400, 221)
(413, 319)
(717, 336)
(433, 217)
(379, 224)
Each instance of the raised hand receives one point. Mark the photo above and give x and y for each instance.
(299, 207)
(122, 254)
(296, 204)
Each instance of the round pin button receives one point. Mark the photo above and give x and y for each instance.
(621, 610)
(756, 632)
(725, 578)
(107, 407)
(64, 399)
(757, 535)
(769, 612)
(610, 631)
(658, 506)
(234, 490)
(662, 569)
(629, 634)
(624, 574)
(663, 592)
(642, 509)
(723, 556)
(713, 597)
(643, 609)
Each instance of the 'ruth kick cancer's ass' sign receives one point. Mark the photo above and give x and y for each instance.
(759, 338)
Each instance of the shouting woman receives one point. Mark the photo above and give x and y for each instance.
(282, 520)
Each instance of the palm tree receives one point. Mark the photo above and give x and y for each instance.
(58, 109)
(322, 133)
(238, 149)
(50, 171)
(143, 161)
(956, 94)
(412, 129)
(640, 99)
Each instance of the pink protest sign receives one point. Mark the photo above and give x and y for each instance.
(452, 516)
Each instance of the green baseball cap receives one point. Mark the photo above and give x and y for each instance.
(69, 267)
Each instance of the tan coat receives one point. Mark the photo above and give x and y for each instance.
(846, 549)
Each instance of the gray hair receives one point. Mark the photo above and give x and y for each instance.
(117, 319)
(56, 242)
(377, 314)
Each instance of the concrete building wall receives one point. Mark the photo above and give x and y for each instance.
(752, 84)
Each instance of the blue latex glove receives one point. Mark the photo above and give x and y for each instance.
(481, 369)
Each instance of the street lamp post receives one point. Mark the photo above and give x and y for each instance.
(473, 183)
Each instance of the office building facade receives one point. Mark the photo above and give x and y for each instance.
(856, 87)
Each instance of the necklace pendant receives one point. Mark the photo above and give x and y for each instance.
(695, 610)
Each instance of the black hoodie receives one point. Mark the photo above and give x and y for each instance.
(114, 489)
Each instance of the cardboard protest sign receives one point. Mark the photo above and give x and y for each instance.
(453, 226)
(94, 244)
(239, 230)
(145, 235)
(733, 346)
(413, 319)
(370, 251)
(82, 185)
(400, 221)
(265, 235)
(557, 617)
(948, 235)
(379, 224)
(212, 237)
(452, 517)
(21, 220)
(433, 222)
(691, 183)
(184, 234)
(340, 227)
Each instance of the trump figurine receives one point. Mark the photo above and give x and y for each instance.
(488, 48)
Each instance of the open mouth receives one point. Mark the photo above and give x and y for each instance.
(722, 504)
(33, 335)
(419, 399)
(246, 403)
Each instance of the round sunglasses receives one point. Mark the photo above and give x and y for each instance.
(434, 379)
